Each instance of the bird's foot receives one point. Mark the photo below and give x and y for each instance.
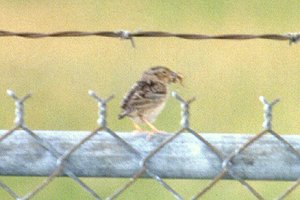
(137, 128)
(152, 132)
(138, 131)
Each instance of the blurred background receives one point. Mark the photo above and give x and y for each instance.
(226, 77)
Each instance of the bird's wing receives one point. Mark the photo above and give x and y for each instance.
(143, 94)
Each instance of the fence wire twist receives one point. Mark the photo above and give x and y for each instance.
(127, 35)
(63, 159)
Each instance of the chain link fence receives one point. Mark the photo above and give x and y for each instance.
(214, 156)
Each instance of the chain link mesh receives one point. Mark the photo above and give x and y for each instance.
(63, 163)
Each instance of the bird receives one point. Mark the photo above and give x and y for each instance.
(148, 96)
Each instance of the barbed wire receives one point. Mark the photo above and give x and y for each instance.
(227, 162)
(127, 35)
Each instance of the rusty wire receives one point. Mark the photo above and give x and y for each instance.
(127, 35)
(226, 161)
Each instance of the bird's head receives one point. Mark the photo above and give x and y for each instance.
(162, 74)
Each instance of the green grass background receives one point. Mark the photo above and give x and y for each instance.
(226, 77)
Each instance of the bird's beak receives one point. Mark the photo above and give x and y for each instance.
(177, 77)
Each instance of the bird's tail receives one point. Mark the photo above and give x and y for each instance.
(123, 114)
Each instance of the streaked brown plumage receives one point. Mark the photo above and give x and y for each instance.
(147, 97)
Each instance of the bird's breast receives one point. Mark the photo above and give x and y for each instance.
(152, 115)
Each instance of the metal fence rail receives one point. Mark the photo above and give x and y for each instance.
(105, 153)
(103, 156)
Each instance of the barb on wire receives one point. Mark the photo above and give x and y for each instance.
(294, 38)
(126, 35)
(291, 37)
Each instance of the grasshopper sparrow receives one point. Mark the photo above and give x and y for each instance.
(147, 97)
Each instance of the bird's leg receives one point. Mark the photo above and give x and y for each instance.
(137, 128)
(153, 128)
